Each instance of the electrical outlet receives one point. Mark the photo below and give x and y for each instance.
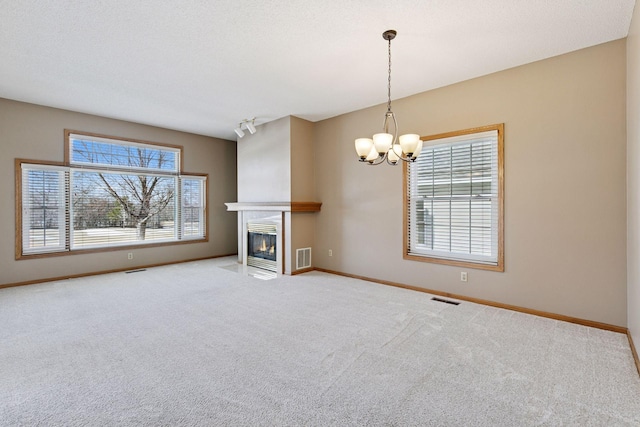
(130, 255)
(330, 252)
(463, 276)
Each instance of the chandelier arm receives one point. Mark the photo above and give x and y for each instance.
(393, 148)
(381, 161)
(401, 157)
(407, 159)
(385, 125)
(395, 127)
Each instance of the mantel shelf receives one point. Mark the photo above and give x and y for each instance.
(274, 206)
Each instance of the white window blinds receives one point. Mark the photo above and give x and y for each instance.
(192, 192)
(44, 208)
(453, 206)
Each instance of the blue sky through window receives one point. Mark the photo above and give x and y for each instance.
(123, 155)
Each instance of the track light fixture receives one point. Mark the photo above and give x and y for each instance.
(248, 124)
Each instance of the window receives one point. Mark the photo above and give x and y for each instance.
(192, 214)
(454, 200)
(43, 208)
(109, 192)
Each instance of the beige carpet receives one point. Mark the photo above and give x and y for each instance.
(202, 344)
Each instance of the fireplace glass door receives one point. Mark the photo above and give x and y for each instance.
(262, 245)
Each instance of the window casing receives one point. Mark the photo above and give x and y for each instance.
(109, 193)
(454, 200)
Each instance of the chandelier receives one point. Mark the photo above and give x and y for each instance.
(386, 146)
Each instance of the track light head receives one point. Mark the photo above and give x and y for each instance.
(250, 127)
(239, 131)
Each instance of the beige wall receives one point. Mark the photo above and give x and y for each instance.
(266, 172)
(302, 234)
(565, 209)
(302, 170)
(34, 132)
(633, 178)
(302, 186)
(264, 159)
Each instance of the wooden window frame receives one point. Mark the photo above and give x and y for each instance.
(18, 162)
(499, 266)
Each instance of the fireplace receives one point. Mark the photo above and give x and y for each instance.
(275, 221)
(262, 246)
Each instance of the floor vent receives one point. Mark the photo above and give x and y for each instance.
(303, 258)
(135, 271)
(445, 301)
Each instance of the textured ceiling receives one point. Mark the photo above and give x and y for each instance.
(202, 66)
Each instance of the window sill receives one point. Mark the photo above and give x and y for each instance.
(466, 264)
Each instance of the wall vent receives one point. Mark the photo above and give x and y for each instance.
(445, 301)
(303, 258)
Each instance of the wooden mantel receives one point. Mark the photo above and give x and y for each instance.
(274, 206)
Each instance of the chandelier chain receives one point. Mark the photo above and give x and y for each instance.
(389, 81)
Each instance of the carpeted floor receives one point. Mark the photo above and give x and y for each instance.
(201, 344)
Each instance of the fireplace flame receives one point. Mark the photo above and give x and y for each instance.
(263, 247)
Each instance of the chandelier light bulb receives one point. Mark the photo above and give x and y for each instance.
(409, 143)
(382, 142)
(373, 155)
(394, 153)
(418, 149)
(363, 147)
